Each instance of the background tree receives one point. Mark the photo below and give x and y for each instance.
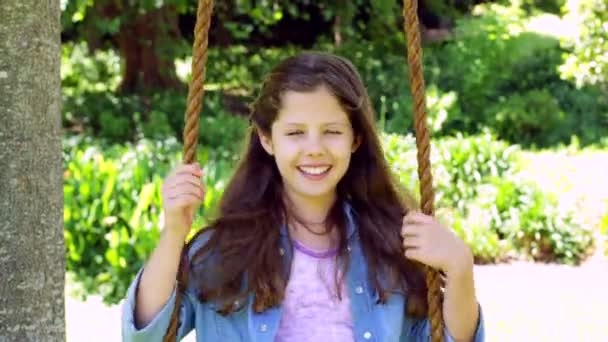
(146, 33)
(150, 35)
(32, 253)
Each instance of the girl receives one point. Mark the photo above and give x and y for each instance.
(313, 241)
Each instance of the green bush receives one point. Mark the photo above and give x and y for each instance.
(479, 191)
(459, 164)
(510, 80)
(528, 118)
(473, 62)
(223, 134)
(536, 224)
(586, 110)
(241, 67)
(93, 106)
(489, 60)
(112, 207)
(551, 6)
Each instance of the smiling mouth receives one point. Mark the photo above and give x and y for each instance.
(314, 171)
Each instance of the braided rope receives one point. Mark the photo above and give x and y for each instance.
(414, 57)
(191, 131)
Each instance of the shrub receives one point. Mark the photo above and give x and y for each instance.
(223, 134)
(473, 62)
(480, 192)
(112, 207)
(241, 68)
(586, 111)
(93, 106)
(528, 118)
(535, 222)
(551, 6)
(458, 164)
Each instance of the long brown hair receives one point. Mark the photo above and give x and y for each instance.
(246, 233)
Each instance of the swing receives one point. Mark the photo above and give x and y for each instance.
(414, 56)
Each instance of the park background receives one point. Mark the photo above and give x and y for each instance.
(518, 108)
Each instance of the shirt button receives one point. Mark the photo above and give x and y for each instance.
(359, 290)
(281, 251)
(263, 328)
(367, 335)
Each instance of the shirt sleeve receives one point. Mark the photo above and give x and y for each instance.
(421, 330)
(156, 329)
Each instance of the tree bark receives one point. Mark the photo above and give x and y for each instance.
(32, 253)
(147, 43)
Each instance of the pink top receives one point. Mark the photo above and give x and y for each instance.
(311, 309)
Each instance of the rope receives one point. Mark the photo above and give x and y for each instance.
(414, 57)
(191, 132)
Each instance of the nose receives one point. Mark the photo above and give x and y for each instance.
(314, 145)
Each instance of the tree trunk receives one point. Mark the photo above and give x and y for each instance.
(32, 253)
(147, 43)
(337, 30)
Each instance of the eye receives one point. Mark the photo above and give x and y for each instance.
(296, 132)
(333, 132)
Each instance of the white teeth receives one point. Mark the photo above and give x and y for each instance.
(314, 170)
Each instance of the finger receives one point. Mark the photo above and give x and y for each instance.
(184, 179)
(412, 242)
(414, 217)
(193, 168)
(413, 254)
(189, 170)
(410, 218)
(185, 189)
(186, 200)
(183, 171)
(408, 230)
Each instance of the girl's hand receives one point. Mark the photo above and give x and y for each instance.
(427, 241)
(182, 193)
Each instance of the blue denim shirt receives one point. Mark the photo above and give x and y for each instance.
(371, 321)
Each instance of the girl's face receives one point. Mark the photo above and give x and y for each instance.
(312, 141)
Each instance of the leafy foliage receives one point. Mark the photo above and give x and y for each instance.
(112, 207)
(588, 62)
(508, 80)
(482, 195)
